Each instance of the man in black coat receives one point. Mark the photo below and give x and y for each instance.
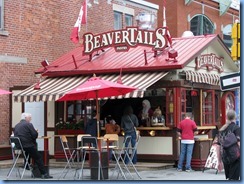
(28, 135)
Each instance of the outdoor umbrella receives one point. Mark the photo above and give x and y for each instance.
(4, 92)
(95, 88)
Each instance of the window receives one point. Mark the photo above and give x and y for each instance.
(170, 107)
(117, 20)
(79, 110)
(227, 35)
(201, 25)
(128, 20)
(208, 111)
(1, 14)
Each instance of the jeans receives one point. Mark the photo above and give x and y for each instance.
(186, 151)
(133, 143)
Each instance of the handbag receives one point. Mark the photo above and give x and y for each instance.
(132, 124)
(230, 150)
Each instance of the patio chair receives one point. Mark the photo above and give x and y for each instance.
(132, 152)
(79, 147)
(112, 141)
(17, 151)
(119, 155)
(70, 155)
(90, 145)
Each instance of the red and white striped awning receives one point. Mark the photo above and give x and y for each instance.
(198, 77)
(53, 88)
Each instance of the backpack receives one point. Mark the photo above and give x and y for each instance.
(229, 149)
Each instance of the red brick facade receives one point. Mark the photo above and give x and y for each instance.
(41, 29)
(177, 13)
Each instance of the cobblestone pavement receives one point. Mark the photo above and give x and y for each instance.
(168, 174)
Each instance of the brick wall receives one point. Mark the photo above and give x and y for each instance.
(177, 12)
(41, 29)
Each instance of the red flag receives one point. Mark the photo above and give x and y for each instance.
(81, 20)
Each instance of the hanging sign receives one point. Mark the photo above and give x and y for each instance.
(123, 40)
(211, 61)
(230, 81)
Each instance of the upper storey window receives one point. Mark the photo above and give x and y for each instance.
(201, 25)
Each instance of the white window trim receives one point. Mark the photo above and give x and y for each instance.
(2, 31)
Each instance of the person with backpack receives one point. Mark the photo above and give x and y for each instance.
(229, 149)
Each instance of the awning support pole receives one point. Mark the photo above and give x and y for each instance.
(74, 61)
(145, 56)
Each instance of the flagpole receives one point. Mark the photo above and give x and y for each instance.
(86, 15)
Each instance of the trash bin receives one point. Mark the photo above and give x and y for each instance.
(94, 165)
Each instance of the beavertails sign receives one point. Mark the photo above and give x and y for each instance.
(123, 40)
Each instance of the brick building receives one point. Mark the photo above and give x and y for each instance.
(31, 31)
(38, 30)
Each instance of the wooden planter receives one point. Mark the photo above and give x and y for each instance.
(70, 132)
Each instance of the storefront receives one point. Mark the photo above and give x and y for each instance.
(186, 82)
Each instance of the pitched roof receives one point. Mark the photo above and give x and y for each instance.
(134, 60)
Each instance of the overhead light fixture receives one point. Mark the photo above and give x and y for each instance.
(45, 63)
(152, 133)
(37, 86)
(172, 54)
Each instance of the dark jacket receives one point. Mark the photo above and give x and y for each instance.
(91, 127)
(27, 134)
(128, 122)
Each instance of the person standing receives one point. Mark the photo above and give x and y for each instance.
(91, 126)
(232, 170)
(27, 134)
(146, 114)
(186, 129)
(128, 122)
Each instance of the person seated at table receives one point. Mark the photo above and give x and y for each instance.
(27, 134)
(111, 128)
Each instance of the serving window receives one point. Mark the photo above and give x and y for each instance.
(201, 104)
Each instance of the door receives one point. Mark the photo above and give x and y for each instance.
(37, 111)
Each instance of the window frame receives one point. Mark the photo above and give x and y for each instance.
(1, 15)
(116, 25)
(130, 18)
(200, 28)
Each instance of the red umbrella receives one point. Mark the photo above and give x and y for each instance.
(95, 88)
(4, 92)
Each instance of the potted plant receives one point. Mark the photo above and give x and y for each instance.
(70, 128)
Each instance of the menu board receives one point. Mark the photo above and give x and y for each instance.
(212, 161)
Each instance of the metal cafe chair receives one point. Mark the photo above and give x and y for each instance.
(79, 145)
(17, 151)
(112, 141)
(119, 155)
(79, 148)
(133, 152)
(70, 154)
(89, 144)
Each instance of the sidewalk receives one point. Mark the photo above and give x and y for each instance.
(148, 171)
